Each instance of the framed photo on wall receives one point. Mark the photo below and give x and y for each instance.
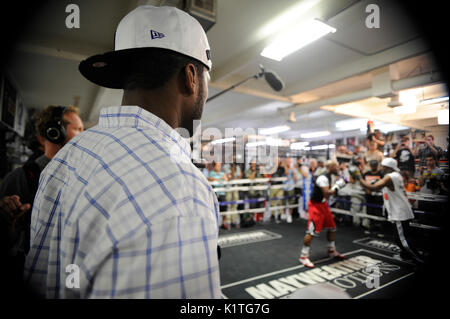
(8, 103)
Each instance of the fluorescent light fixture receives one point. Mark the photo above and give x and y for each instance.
(299, 145)
(276, 142)
(386, 128)
(223, 140)
(315, 134)
(322, 147)
(297, 37)
(443, 117)
(434, 100)
(409, 101)
(352, 124)
(286, 18)
(274, 130)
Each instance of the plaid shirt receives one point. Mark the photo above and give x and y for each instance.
(123, 202)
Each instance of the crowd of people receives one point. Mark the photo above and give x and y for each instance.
(418, 165)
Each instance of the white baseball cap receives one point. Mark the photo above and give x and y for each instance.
(391, 163)
(147, 27)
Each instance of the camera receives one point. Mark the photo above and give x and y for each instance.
(370, 132)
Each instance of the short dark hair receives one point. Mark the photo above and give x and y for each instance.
(152, 68)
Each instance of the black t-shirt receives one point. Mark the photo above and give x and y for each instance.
(369, 176)
(279, 173)
(405, 159)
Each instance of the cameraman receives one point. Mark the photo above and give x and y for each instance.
(375, 136)
(405, 156)
(424, 148)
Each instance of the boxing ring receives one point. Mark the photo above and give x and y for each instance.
(261, 261)
(265, 185)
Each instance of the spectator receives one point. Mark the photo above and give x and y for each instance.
(389, 145)
(289, 185)
(252, 194)
(379, 140)
(374, 202)
(409, 181)
(342, 154)
(343, 172)
(207, 169)
(431, 179)
(305, 181)
(425, 147)
(320, 167)
(405, 156)
(19, 187)
(233, 172)
(218, 175)
(373, 154)
(357, 151)
(276, 192)
(313, 165)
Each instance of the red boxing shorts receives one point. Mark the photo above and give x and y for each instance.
(320, 217)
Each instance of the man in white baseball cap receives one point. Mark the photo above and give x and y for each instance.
(114, 205)
(396, 203)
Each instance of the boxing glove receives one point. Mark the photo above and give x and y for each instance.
(338, 185)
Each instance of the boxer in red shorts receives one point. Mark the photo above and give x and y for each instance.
(320, 216)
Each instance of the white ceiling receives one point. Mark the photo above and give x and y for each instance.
(340, 68)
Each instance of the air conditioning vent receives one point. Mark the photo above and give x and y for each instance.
(394, 102)
(204, 11)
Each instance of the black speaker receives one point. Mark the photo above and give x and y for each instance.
(55, 131)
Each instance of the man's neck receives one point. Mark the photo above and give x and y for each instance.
(157, 102)
(51, 149)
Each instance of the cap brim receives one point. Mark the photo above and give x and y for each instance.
(107, 69)
(110, 69)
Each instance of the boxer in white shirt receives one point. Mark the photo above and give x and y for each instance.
(396, 204)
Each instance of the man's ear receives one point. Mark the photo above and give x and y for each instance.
(189, 82)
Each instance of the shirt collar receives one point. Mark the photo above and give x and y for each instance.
(137, 117)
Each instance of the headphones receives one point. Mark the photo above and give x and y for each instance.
(55, 131)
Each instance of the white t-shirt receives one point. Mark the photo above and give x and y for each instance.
(322, 181)
(396, 202)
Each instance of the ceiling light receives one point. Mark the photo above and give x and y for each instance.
(276, 142)
(386, 128)
(434, 100)
(274, 130)
(299, 145)
(297, 37)
(315, 134)
(408, 100)
(224, 140)
(286, 18)
(443, 117)
(352, 124)
(322, 147)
